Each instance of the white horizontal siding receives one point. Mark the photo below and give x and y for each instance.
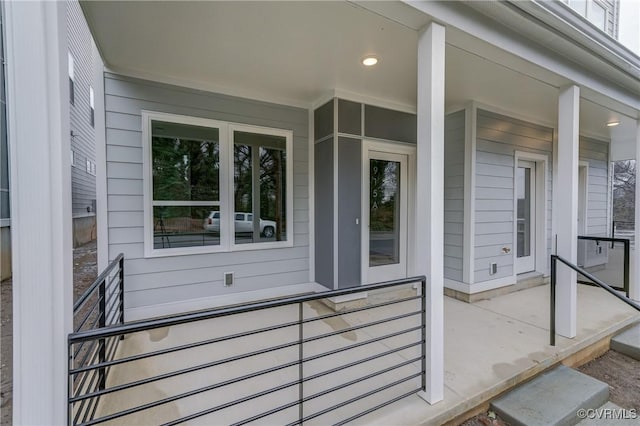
(596, 153)
(454, 195)
(83, 184)
(498, 138)
(171, 279)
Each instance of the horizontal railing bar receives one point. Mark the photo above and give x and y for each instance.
(326, 391)
(91, 352)
(604, 239)
(87, 402)
(183, 347)
(591, 283)
(235, 358)
(146, 325)
(358, 327)
(597, 281)
(361, 361)
(259, 373)
(377, 407)
(91, 311)
(357, 398)
(361, 379)
(189, 369)
(115, 263)
(91, 343)
(355, 310)
(238, 335)
(111, 298)
(80, 386)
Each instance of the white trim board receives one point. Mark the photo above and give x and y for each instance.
(469, 191)
(172, 308)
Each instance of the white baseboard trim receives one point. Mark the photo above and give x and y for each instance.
(480, 287)
(183, 306)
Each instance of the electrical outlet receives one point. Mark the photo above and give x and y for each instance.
(228, 279)
(493, 268)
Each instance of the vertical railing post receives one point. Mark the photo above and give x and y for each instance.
(69, 382)
(613, 233)
(121, 289)
(423, 300)
(552, 306)
(121, 292)
(300, 365)
(102, 295)
(627, 248)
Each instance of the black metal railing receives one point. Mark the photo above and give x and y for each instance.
(283, 361)
(621, 228)
(552, 311)
(608, 264)
(100, 306)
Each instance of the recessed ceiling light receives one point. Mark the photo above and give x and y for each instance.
(613, 123)
(369, 61)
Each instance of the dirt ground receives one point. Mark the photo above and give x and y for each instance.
(84, 273)
(621, 373)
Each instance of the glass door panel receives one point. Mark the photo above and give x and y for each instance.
(525, 216)
(384, 212)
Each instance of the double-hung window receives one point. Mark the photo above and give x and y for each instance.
(215, 186)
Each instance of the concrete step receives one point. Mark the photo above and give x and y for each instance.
(628, 342)
(553, 398)
(608, 415)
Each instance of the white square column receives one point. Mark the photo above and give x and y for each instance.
(634, 282)
(565, 208)
(429, 238)
(39, 143)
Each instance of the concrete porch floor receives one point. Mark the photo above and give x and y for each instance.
(490, 346)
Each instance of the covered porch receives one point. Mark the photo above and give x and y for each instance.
(474, 91)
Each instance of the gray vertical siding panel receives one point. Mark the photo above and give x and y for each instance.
(83, 184)
(454, 195)
(169, 279)
(349, 208)
(323, 167)
(498, 138)
(596, 153)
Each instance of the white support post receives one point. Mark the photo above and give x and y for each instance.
(429, 238)
(634, 258)
(38, 118)
(565, 208)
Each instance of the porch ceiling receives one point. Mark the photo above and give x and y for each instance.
(297, 52)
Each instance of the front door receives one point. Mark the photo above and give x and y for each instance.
(385, 216)
(526, 216)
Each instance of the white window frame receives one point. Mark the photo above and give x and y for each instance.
(587, 13)
(225, 202)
